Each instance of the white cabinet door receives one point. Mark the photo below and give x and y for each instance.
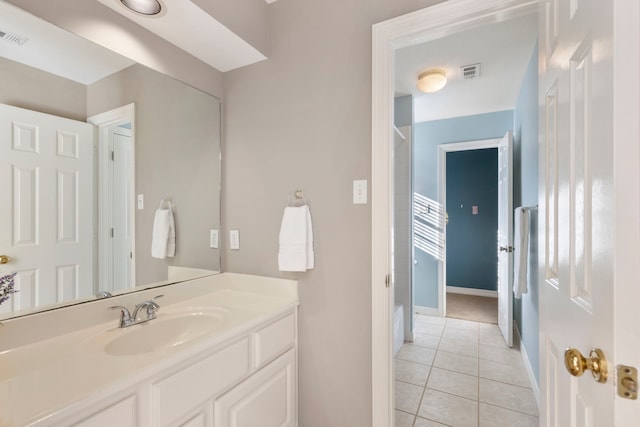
(199, 420)
(266, 399)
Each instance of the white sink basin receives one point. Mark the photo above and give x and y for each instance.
(165, 332)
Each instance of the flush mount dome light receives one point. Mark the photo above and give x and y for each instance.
(432, 80)
(144, 7)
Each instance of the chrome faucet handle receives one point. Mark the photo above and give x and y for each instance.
(125, 316)
(151, 307)
(103, 294)
(153, 301)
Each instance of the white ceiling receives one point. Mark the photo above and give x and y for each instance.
(55, 50)
(190, 28)
(503, 50)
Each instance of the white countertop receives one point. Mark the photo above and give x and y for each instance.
(39, 378)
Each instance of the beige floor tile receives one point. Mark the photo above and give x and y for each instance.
(453, 383)
(508, 396)
(421, 422)
(404, 419)
(459, 346)
(424, 340)
(463, 334)
(447, 409)
(427, 329)
(461, 324)
(417, 354)
(510, 373)
(488, 327)
(431, 320)
(407, 397)
(492, 337)
(410, 372)
(498, 354)
(492, 416)
(456, 362)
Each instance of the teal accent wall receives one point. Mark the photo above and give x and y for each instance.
(526, 194)
(472, 180)
(427, 137)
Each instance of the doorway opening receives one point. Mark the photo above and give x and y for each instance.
(470, 190)
(116, 187)
(422, 26)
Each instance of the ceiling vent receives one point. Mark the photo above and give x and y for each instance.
(470, 71)
(12, 38)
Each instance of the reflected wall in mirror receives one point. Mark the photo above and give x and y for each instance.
(78, 200)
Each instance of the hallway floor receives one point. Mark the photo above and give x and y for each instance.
(460, 373)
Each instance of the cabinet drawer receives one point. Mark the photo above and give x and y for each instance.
(121, 414)
(183, 391)
(274, 339)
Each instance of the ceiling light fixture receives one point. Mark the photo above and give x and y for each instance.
(144, 7)
(432, 80)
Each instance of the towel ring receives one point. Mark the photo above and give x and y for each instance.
(298, 195)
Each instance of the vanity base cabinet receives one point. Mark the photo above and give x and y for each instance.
(266, 399)
(249, 381)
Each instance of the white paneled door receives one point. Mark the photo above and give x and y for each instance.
(584, 158)
(46, 213)
(505, 238)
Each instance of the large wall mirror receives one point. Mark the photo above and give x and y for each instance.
(109, 171)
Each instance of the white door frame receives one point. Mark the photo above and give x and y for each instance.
(418, 27)
(105, 122)
(443, 149)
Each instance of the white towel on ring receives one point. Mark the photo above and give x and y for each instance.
(521, 262)
(296, 240)
(163, 241)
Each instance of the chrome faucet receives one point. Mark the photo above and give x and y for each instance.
(127, 319)
(103, 294)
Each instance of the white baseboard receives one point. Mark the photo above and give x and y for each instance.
(428, 311)
(528, 368)
(472, 291)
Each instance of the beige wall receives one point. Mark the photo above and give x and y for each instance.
(302, 120)
(33, 89)
(177, 133)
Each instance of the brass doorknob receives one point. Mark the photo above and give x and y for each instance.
(4, 259)
(576, 363)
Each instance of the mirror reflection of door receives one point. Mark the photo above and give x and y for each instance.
(46, 209)
(115, 195)
(121, 178)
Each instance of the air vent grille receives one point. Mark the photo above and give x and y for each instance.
(12, 38)
(470, 71)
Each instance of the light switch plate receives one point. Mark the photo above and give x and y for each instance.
(213, 239)
(360, 192)
(234, 240)
(140, 202)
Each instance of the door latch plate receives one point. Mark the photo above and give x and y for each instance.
(627, 382)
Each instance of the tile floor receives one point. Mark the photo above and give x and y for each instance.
(460, 373)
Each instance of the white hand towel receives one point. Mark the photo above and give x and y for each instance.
(163, 241)
(310, 254)
(296, 240)
(521, 241)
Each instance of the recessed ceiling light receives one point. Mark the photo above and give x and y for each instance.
(144, 7)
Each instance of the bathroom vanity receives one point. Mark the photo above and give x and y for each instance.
(222, 351)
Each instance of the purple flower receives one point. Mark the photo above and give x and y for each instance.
(6, 286)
